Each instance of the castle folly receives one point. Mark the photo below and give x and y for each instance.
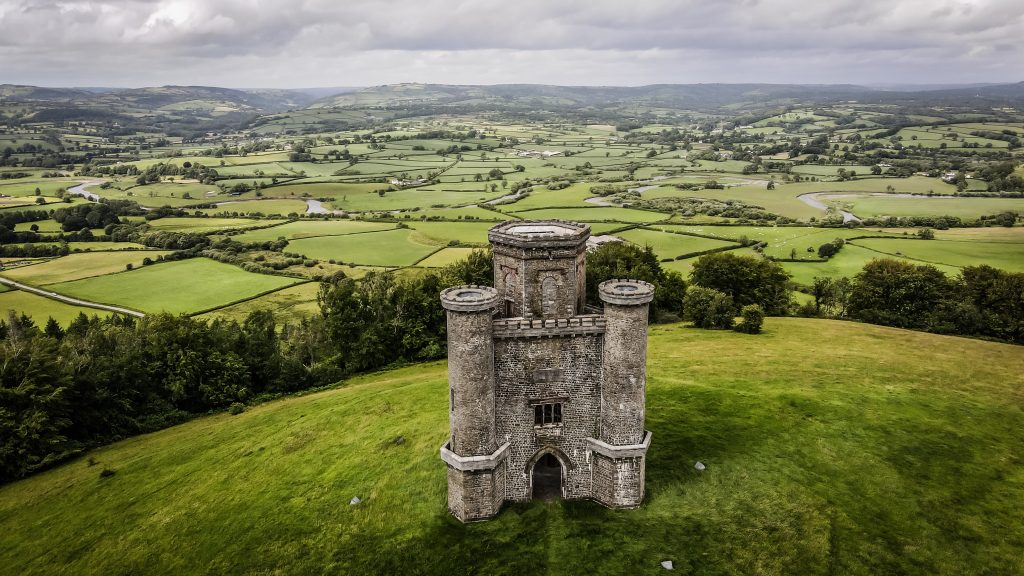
(546, 398)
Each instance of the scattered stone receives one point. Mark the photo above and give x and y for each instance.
(355, 500)
(399, 441)
(667, 565)
(700, 466)
(107, 473)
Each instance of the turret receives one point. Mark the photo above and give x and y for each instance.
(540, 267)
(471, 368)
(625, 360)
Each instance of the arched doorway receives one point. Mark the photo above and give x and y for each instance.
(546, 478)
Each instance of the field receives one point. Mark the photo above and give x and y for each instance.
(290, 304)
(952, 252)
(186, 286)
(874, 206)
(78, 266)
(814, 466)
(40, 309)
(386, 248)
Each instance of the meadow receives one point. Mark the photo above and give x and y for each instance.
(814, 465)
(185, 286)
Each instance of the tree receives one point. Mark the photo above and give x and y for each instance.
(621, 260)
(753, 319)
(746, 279)
(895, 293)
(708, 308)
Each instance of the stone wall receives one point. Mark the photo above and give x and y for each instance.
(566, 369)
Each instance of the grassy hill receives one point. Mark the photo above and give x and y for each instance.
(831, 448)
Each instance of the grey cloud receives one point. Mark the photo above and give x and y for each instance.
(358, 42)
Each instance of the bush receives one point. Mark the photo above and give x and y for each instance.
(753, 318)
(236, 408)
(708, 308)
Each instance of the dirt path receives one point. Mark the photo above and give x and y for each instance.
(69, 300)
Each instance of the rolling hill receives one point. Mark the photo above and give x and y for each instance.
(831, 448)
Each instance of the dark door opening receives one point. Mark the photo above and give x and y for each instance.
(547, 478)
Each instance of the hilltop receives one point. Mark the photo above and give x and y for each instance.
(831, 447)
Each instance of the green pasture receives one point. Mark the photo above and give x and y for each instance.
(444, 232)
(267, 207)
(185, 286)
(668, 245)
(596, 214)
(40, 309)
(445, 257)
(964, 207)
(78, 266)
(200, 225)
(848, 262)
(311, 228)
(385, 248)
(957, 253)
(290, 304)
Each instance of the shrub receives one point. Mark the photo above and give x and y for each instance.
(708, 308)
(753, 318)
(236, 408)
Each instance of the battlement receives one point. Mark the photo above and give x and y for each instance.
(539, 234)
(626, 292)
(469, 298)
(547, 328)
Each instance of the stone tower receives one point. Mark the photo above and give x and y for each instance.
(546, 397)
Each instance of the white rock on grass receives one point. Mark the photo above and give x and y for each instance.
(355, 500)
(667, 565)
(700, 466)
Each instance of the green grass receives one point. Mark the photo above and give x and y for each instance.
(268, 206)
(40, 309)
(667, 245)
(78, 266)
(967, 208)
(848, 262)
(199, 225)
(311, 228)
(593, 214)
(443, 232)
(952, 252)
(883, 452)
(288, 304)
(445, 257)
(185, 286)
(386, 248)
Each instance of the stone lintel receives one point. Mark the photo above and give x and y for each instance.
(616, 452)
(474, 463)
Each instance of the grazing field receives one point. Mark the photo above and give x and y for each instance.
(848, 262)
(290, 304)
(186, 286)
(386, 248)
(861, 458)
(311, 228)
(445, 257)
(594, 214)
(40, 308)
(267, 207)
(208, 224)
(78, 266)
(668, 245)
(444, 232)
(952, 252)
(874, 206)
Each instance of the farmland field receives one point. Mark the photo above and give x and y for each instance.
(187, 286)
(386, 248)
(40, 308)
(78, 266)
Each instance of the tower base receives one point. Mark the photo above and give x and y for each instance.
(619, 471)
(476, 484)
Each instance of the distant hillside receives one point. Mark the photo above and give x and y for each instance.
(830, 448)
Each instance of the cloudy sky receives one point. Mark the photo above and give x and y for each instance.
(310, 43)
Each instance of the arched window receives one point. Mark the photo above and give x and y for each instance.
(549, 295)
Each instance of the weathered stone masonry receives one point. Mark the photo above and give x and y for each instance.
(533, 376)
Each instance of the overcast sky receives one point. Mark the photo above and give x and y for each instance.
(311, 43)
